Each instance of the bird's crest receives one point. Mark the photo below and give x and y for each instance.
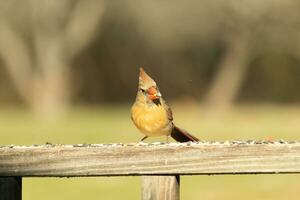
(145, 81)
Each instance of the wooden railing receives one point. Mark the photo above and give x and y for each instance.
(160, 165)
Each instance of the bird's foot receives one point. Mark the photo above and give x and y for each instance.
(144, 138)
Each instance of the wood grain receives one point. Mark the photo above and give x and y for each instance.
(160, 187)
(236, 157)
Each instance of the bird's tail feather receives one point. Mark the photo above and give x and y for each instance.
(182, 136)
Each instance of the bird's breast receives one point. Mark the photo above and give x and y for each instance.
(151, 120)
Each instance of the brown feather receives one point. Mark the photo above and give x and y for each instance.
(182, 136)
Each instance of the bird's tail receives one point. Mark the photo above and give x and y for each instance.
(182, 136)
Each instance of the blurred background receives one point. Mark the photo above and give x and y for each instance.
(229, 70)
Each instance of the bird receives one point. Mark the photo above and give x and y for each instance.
(152, 116)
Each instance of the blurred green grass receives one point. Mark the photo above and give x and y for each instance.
(112, 124)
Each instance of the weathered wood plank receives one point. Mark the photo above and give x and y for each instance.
(160, 187)
(151, 159)
(10, 188)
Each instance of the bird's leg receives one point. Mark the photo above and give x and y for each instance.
(144, 138)
(167, 138)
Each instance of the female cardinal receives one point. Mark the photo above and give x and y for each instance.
(151, 115)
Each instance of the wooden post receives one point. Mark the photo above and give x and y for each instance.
(160, 187)
(10, 188)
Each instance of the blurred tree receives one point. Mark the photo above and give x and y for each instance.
(247, 28)
(230, 75)
(193, 48)
(38, 41)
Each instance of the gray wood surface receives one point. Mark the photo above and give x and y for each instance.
(160, 187)
(10, 188)
(236, 157)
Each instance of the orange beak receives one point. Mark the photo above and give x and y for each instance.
(153, 93)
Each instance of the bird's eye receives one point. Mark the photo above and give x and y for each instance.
(142, 90)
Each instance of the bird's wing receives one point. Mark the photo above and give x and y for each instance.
(168, 109)
(170, 114)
